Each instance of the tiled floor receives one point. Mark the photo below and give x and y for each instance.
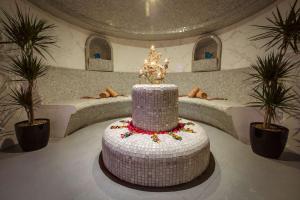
(69, 169)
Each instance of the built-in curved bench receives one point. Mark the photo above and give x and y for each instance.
(211, 112)
(231, 117)
(62, 88)
(69, 116)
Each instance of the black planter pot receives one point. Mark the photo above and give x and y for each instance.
(269, 143)
(33, 137)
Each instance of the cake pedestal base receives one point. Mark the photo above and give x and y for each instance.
(165, 160)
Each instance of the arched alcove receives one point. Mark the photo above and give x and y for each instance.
(98, 54)
(207, 54)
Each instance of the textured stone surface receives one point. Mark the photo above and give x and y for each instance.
(139, 160)
(211, 112)
(70, 115)
(164, 19)
(205, 65)
(89, 111)
(100, 65)
(65, 87)
(62, 88)
(69, 169)
(3, 79)
(62, 84)
(155, 107)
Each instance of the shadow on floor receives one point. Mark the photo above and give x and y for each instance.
(13, 149)
(9, 149)
(9, 146)
(202, 178)
(289, 156)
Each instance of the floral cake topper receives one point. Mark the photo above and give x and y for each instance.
(152, 70)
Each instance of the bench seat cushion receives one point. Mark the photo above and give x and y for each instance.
(80, 104)
(214, 112)
(217, 104)
(70, 115)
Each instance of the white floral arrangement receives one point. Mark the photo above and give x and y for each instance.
(152, 70)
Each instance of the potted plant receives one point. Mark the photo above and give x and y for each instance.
(31, 36)
(270, 76)
(283, 31)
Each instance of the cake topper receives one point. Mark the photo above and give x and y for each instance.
(152, 70)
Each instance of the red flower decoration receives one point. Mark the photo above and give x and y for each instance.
(135, 129)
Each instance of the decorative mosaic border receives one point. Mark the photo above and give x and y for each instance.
(139, 160)
(154, 134)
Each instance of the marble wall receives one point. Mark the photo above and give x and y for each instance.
(61, 84)
(71, 39)
(128, 55)
(237, 50)
(131, 58)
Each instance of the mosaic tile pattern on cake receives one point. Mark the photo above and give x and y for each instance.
(139, 160)
(155, 107)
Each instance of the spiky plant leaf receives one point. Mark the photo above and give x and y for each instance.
(32, 36)
(21, 97)
(272, 68)
(269, 76)
(275, 96)
(28, 32)
(283, 30)
(27, 67)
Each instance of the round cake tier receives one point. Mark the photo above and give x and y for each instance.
(155, 107)
(159, 160)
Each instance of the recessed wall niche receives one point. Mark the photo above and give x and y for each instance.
(207, 54)
(98, 54)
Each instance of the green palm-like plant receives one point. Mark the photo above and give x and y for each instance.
(272, 68)
(270, 75)
(22, 98)
(28, 68)
(272, 98)
(284, 31)
(28, 32)
(31, 35)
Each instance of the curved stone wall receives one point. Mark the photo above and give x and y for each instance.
(152, 20)
(66, 84)
(128, 55)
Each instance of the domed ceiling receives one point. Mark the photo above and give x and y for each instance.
(152, 19)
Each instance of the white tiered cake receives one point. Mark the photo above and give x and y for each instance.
(154, 147)
(155, 107)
